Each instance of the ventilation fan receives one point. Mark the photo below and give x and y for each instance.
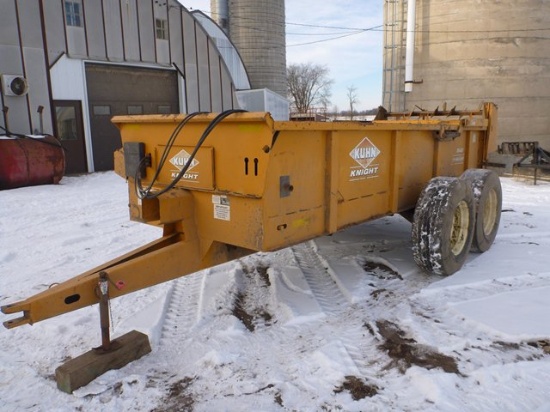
(14, 85)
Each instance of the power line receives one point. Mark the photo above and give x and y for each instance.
(322, 34)
(352, 31)
(325, 40)
(376, 28)
(326, 27)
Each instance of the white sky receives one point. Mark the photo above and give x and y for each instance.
(353, 60)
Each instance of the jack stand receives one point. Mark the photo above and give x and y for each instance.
(110, 355)
(104, 312)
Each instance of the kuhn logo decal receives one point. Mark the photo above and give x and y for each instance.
(180, 160)
(364, 154)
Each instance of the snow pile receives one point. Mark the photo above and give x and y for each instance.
(347, 322)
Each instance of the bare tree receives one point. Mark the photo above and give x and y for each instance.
(352, 99)
(308, 85)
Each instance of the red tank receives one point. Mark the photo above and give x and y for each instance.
(29, 161)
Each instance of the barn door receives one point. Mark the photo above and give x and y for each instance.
(69, 129)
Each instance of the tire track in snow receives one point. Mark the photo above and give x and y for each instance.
(324, 288)
(334, 303)
(183, 308)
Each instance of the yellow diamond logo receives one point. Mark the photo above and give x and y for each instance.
(181, 159)
(364, 153)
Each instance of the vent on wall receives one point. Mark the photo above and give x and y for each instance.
(14, 85)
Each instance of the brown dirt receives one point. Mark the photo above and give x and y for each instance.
(262, 271)
(279, 399)
(240, 312)
(357, 388)
(178, 398)
(380, 270)
(249, 319)
(406, 352)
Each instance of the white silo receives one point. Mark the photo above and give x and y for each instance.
(472, 51)
(257, 28)
(220, 13)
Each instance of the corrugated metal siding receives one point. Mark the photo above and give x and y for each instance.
(76, 42)
(190, 55)
(228, 90)
(215, 79)
(36, 73)
(146, 32)
(94, 29)
(8, 31)
(162, 45)
(31, 32)
(113, 30)
(55, 28)
(130, 31)
(176, 37)
(204, 75)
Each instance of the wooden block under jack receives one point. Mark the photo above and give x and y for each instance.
(85, 368)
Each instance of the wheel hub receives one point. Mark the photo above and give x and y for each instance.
(490, 212)
(459, 232)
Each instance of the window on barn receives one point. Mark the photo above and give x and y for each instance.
(135, 109)
(73, 13)
(161, 29)
(164, 109)
(101, 110)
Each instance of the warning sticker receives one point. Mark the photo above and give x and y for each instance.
(222, 209)
(222, 212)
(220, 200)
(458, 157)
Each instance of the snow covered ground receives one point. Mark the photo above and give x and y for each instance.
(344, 323)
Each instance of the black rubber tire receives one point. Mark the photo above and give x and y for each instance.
(488, 203)
(443, 225)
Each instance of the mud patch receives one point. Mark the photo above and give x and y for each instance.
(279, 399)
(261, 269)
(357, 388)
(380, 270)
(251, 309)
(406, 352)
(385, 293)
(240, 312)
(541, 344)
(250, 318)
(179, 398)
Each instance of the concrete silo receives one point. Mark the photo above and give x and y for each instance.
(257, 28)
(471, 51)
